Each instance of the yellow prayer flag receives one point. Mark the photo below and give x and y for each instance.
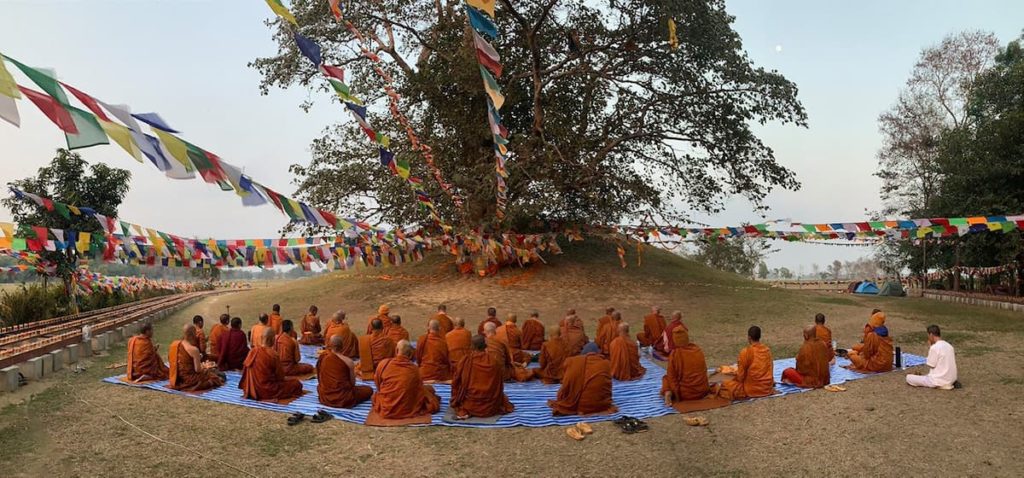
(122, 136)
(176, 147)
(8, 229)
(486, 6)
(83, 241)
(282, 11)
(673, 41)
(7, 85)
(74, 210)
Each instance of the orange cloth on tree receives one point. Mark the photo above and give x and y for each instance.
(401, 392)
(336, 385)
(263, 378)
(288, 353)
(183, 374)
(625, 359)
(477, 387)
(754, 377)
(533, 334)
(586, 387)
(373, 349)
(552, 357)
(432, 356)
(458, 341)
(143, 360)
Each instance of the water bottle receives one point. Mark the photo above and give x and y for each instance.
(898, 356)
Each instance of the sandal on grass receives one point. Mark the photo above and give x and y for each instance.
(296, 418)
(696, 421)
(321, 416)
(585, 428)
(834, 388)
(574, 433)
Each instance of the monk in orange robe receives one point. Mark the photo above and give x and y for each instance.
(492, 317)
(338, 326)
(256, 332)
(625, 356)
(197, 321)
(825, 335)
(216, 332)
(263, 377)
(458, 341)
(509, 334)
(586, 387)
(233, 348)
(604, 320)
(396, 332)
(443, 319)
(336, 378)
(687, 374)
(310, 328)
(754, 370)
(667, 336)
(373, 349)
(401, 393)
(288, 352)
(561, 323)
(477, 388)
(533, 332)
(875, 353)
(275, 318)
(382, 315)
(144, 363)
(188, 373)
(607, 332)
(552, 356)
(812, 369)
(432, 355)
(654, 328)
(502, 355)
(574, 335)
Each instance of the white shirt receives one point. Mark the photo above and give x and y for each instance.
(942, 360)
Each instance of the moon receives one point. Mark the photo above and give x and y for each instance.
(778, 48)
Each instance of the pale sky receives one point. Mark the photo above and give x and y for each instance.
(186, 60)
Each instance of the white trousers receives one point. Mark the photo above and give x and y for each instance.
(921, 381)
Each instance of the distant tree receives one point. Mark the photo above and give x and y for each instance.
(762, 270)
(785, 273)
(206, 274)
(737, 255)
(835, 269)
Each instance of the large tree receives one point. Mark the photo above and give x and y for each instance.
(607, 122)
(70, 180)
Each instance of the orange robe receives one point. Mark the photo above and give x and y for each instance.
(445, 322)
(432, 356)
(754, 377)
(201, 342)
(533, 334)
(373, 349)
(586, 387)
(397, 333)
(458, 341)
(256, 335)
(349, 341)
(336, 387)
(825, 335)
(874, 355)
(654, 326)
(687, 374)
(513, 339)
(625, 358)
(216, 332)
(401, 392)
(275, 322)
(552, 357)
(502, 356)
(575, 336)
(606, 333)
(812, 364)
(493, 320)
(311, 330)
(144, 361)
(288, 353)
(263, 378)
(183, 375)
(385, 320)
(477, 388)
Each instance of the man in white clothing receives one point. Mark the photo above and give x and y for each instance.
(941, 361)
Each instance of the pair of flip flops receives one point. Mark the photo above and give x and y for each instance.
(579, 431)
(834, 388)
(630, 425)
(696, 421)
(319, 417)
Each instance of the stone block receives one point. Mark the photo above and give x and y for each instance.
(32, 369)
(85, 349)
(9, 378)
(47, 364)
(59, 359)
(99, 343)
(73, 352)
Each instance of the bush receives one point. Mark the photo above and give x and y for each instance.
(31, 303)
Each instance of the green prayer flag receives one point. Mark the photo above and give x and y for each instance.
(809, 227)
(62, 209)
(18, 244)
(47, 82)
(958, 221)
(876, 225)
(90, 133)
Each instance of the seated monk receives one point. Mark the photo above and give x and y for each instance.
(396, 332)
(256, 332)
(338, 326)
(667, 336)
(875, 353)
(188, 373)
(687, 374)
(443, 319)
(533, 332)
(310, 328)
(552, 356)
(574, 335)
(477, 388)
(144, 363)
(812, 370)
(825, 335)
(586, 387)
(502, 355)
(432, 355)
(458, 341)
(509, 334)
(288, 352)
(274, 321)
(373, 349)
(201, 343)
(218, 330)
(336, 378)
(263, 377)
(400, 390)
(382, 315)
(561, 323)
(233, 347)
(604, 320)
(492, 317)
(654, 328)
(625, 356)
(607, 331)
(754, 371)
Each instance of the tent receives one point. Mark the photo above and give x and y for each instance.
(867, 287)
(892, 288)
(852, 287)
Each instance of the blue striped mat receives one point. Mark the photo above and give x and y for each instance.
(638, 398)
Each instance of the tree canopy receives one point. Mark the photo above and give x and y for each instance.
(607, 122)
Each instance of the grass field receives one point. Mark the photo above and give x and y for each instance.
(67, 426)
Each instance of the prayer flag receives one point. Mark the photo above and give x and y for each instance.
(52, 109)
(89, 133)
(282, 11)
(88, 101)
(486, 6)
(480, 22)
(673, 41)
(44, 80)
(492, 88)
(309, 49)
(486, 55)
(155, 121)
(122, 136)
(9, 110)
(177, 148)
(8, 87)
(335, 9)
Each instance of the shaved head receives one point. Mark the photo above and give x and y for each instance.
(268, 337)
(809, 332)
(617, 315)
(397, 320)
(489, 328)
(570, 312)
(512, 318)
(624, 329)
(188, 333)
(147, 330)
(459, 322)
(434, 326)
(677, 315)
(442, 308)
(554, 331)
(655, 309)
(404, 348)
(338, 316)
(376, 324)
(609, 310)
(478, 342)
(492, 312)
(335, 343)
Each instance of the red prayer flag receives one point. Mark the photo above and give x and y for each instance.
(52, 109)
(88, 101)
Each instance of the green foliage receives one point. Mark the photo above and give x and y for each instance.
(737, 255)
(31, 303)
(615, 126)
